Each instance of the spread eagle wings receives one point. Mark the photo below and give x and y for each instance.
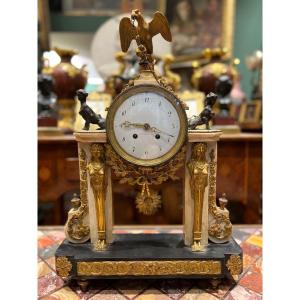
(127, 33)
(159, 24)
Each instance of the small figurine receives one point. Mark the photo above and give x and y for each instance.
(87, 113)
(46, 97)
(143, 32)
(75, 230)
(47, 102)
(207, 113)
(224, 86)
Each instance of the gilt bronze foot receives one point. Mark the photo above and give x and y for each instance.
(215, 283)
(197, 246)
(83, 284)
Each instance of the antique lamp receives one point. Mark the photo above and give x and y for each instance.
(147, 140)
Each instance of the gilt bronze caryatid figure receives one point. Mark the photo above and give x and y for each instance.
(198, 168)
(96, 171)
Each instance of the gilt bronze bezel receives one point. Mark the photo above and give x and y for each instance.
(182, 137)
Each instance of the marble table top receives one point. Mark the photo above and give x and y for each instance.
(248, 286)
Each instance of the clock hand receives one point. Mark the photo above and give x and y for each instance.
(146, 126)
(129, 124)
(154, 129)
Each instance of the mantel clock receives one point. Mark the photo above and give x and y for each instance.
(146, 142)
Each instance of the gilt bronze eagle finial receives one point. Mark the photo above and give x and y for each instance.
(136, 28)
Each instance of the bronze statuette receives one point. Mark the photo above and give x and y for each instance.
(87, 113)
(136, 28)
(206, 115)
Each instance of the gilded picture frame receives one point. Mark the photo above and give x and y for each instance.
(110, 7)
(44, 25)
(228, 21)
(225, 25)
(250, 112)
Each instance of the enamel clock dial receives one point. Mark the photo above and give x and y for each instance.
(146, 125)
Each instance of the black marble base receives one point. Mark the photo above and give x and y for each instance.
(146, 256)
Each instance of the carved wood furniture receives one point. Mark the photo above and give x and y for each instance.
(239, 175)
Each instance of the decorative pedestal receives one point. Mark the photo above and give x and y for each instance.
(205, 250)
(148, 256)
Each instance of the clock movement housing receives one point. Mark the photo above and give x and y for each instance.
(168, 142)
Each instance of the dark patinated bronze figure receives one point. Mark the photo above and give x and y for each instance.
(207, 113)
(89, 116)
(224, 86)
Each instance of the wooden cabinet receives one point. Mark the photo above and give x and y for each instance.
(239, 175)
(57, 172)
